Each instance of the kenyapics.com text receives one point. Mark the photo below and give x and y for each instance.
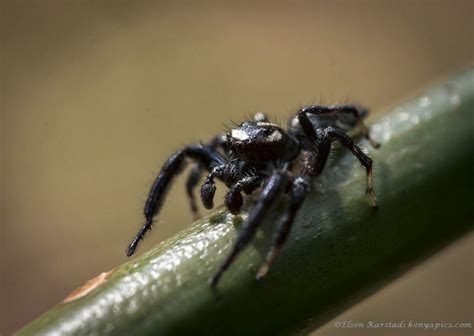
(402, 325)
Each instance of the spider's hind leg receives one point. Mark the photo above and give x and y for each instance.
(366, 162)
(359, 113)
(320, 139)
(339, 110)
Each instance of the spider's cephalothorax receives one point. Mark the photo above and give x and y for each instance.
(259, 154)
(260, 141)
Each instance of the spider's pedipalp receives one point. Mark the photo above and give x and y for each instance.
(233, 199)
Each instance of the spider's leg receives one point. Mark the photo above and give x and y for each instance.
(315, 159)
(272, 189)
(220, 141)
(233, 199)
(191, 183)
(359, 154)
(170, 169)
(357, 112)
(321, 139)
(299, 190)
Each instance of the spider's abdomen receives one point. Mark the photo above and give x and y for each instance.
(343, 117)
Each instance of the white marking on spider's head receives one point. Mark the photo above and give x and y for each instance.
(238, 134)
(275, 136)
(265, 123)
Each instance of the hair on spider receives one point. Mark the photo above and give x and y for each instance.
(258, 154)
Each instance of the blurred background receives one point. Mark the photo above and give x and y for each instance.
(94, 98)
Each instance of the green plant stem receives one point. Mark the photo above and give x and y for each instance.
(340, 250)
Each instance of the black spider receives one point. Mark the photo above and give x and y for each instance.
(261, 154)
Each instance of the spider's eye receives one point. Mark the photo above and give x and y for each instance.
(267, 131)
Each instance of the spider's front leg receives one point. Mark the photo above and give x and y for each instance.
(202, 154)
(270, 192)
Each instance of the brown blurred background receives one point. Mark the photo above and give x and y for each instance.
(94, 97)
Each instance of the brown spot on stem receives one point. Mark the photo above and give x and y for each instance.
(88, 287)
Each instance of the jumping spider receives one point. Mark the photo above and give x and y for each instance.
(258, 154)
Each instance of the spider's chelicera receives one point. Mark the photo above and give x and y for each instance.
(260, 154)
